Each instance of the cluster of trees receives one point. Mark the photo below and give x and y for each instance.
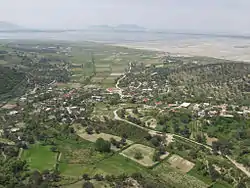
(134, 120)
(102, 145)
(224, 82)
(125, 180)
(120, 128)
(159, 142)
(233, 134)
(120, 143)
(177, 122)
(9, 78)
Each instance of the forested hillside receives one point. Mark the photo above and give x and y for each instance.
(9, 78)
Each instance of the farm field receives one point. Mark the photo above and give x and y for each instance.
(2, 62)
(176, 177)
(110, 165)
(147, 153)
(39, 157)
(182, 164)
(102, 110)
(93, 137)
(118, 164)
(104, 63)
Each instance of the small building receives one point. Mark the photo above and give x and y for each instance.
(13, 112)
(185, 105)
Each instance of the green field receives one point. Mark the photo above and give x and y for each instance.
(39, 157)
(116, 165)
(176, 177)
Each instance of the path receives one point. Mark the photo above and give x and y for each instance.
(239, 166)
(150, 131)
(4, 156)
(20, 153)
(120, 79)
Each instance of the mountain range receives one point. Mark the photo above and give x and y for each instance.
(6, 26)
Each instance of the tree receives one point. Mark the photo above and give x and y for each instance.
(155, 141)
(162, 150)
(53, 149)
(213, 173)
(138, 155)
(36, 178)
(156, 156)
(85, 177)
(87, 184)
(102, 145)
(89, 130)
(98, 177)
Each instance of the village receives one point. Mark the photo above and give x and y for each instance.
(140, 120)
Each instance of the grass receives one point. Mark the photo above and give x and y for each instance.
(196, 174)
(147, 153)
(39, 157)
(176, 178)
(221, 184)
(2, 62)
(118, 164)
(75, 170)
(115, 165)
(180, 163)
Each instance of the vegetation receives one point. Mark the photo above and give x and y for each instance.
(165, 122)
(102, 145)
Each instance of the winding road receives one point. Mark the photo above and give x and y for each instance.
(119, 80)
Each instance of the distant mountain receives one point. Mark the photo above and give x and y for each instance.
(130, 27)
(6, 26)
(122, 27)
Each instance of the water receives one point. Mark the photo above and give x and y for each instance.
(109, 37)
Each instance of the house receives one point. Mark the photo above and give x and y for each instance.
(13, 112)
(185, 105)
(14, 129)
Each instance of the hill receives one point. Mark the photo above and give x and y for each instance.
(6, 26)
(9, 78)
(121, 27)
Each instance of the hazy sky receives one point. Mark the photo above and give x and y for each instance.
(196, 15)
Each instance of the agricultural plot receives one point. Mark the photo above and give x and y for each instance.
(39, 157)
(113, 165)
(119, 67)
(78, 157)
(116, 165)
(97, 79)
(2, 62)
(94, 137)
(102, 110)
(147, 154)
(102, 69)
(176, 178)
(69, 85)
(182, 164)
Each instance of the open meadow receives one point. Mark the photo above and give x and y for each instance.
(39, 157)
(146, 152)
